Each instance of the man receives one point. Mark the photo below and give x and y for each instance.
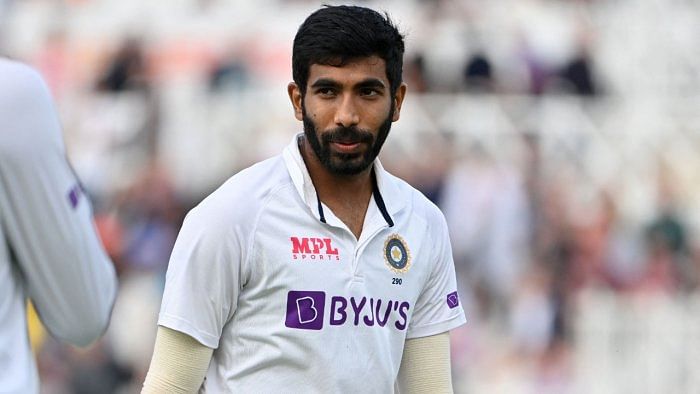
(49, 250)
(316, 271)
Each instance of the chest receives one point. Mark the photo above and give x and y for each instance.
(311, 269)
(391, 260)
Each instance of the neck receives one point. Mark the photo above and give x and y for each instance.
(333, 187)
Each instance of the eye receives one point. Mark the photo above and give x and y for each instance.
(369, 92)
(326, 92)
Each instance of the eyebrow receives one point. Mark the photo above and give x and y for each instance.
(371, 83)
(365, 83)
(325, 83)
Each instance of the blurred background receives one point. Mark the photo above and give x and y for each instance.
(560, 139)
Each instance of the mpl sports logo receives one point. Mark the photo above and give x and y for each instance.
(307, 248)
(306, 310)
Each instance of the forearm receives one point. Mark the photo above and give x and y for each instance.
(178, 365)
(425, 366)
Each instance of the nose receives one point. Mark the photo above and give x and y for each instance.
(346, 114)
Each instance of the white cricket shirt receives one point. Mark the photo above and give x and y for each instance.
(291, 300)
(49, 250)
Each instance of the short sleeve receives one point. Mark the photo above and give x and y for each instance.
(204, 275)
(438, 308)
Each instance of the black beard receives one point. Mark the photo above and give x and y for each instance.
(346, 163)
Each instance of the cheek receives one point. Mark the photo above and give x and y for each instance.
(381, 115)
(312, 110)
(322, 117)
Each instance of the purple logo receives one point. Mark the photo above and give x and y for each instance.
(74, 196)
(368, 311)
(305, 309)
(453, 300)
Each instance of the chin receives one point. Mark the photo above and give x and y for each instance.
(348, 168)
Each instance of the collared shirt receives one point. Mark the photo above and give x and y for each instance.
(49, 249)
(291, 300)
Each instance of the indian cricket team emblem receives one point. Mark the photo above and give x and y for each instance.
(396, 254)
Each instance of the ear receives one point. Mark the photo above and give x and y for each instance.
(398, 101)
(295, 97)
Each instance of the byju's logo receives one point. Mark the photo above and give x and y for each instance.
(305, 309)
(304, 248)
(453, 300)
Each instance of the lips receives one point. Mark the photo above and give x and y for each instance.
(345, 147)
(347, 140)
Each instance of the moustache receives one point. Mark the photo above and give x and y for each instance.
(347, 135)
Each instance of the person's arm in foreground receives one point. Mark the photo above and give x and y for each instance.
(46, 216)
(178, 365)
(425, 366)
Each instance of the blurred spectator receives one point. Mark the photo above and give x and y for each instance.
(229, 73)
(54, 62)
(670, 267)
(428, 174)
(97, 371)
(536, 69)
(578, 75)
(122, 121)
(532, 316)
(486, 209)
(150, 216)
(126, 70)
(478, 74)
(555, 370)
(415, 74)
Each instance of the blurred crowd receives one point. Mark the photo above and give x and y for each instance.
(561, 149)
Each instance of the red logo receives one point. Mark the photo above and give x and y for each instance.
(306, 248)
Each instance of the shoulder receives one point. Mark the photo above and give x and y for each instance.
(19, 82)
(419, 206)
(28, 120)
(239, 201)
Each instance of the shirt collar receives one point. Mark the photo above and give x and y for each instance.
(386, 192)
